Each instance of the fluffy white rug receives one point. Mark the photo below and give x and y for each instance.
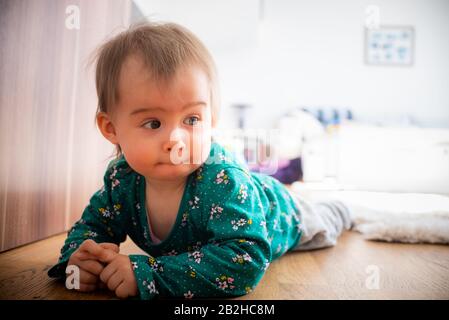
(396, 217)
(431, 227)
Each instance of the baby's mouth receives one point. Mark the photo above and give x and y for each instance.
(169, 163)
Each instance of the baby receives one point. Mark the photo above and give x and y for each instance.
(210, 227)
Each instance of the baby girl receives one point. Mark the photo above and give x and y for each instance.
(209, 225)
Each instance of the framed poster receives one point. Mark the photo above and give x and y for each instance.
(389, 45)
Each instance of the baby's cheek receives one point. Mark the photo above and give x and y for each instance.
(139, 159)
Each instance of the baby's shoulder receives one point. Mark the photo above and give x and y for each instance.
(220, 165)
(223, 177)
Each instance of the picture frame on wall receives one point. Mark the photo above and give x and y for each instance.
(390, 45)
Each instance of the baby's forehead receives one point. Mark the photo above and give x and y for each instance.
(138, 84)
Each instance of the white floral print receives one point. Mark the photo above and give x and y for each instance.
(236, 224)
(215, 211)
(194, 203)
(241, 259)
(243, 193)
(222, 178)
(196, 255)
(151, 286)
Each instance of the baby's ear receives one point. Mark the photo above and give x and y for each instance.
(106, 127)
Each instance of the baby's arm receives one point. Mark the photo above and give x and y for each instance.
(231, 268)
(101, 222)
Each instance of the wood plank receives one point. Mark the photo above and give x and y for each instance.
(406, 271)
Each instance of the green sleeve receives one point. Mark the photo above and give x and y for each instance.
(100, 222)
(235, 256)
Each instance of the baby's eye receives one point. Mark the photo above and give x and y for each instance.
(152, 124)
(191, 121)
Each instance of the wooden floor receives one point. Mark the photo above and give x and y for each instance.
(346, 271)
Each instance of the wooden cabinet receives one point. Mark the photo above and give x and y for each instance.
(52, 156)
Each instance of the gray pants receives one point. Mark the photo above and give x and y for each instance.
(322, 223)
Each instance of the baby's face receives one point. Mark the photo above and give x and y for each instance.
(164, 131)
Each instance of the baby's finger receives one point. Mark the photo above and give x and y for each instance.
(87, 277)
(107, 272)
(106, 255)
(114, 281)
(84, 287)
(122, 291)
(110, 246)
(91, 266)
(83, 255)
(91, 247)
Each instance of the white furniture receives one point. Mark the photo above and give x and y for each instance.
(386, 159)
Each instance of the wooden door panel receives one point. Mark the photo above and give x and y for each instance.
(52, 157)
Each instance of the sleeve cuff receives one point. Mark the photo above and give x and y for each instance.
(58, 270)
(144, 276)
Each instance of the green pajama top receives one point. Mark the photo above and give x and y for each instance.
(230, 225)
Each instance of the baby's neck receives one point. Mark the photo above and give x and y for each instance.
(165, 186)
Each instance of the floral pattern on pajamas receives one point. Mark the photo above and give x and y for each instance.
(230, 225)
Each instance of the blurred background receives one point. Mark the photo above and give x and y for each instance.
(356, 90)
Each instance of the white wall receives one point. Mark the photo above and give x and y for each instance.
(278, 54)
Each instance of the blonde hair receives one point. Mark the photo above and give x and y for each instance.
(165, 48)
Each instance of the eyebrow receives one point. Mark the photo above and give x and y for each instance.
(189, 105)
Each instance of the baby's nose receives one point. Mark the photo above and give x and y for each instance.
(169, 145)
(175, 140)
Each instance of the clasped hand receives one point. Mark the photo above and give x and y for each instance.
(101, 265)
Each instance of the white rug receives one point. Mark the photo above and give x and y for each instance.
(396, 217)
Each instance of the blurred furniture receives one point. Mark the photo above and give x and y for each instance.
(389, 159)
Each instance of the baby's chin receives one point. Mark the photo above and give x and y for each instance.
(169, 171)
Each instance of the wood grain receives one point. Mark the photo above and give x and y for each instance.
(418, 271)
(52, 156)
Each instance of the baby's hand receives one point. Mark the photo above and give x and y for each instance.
(118, 275)
(88, 258)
